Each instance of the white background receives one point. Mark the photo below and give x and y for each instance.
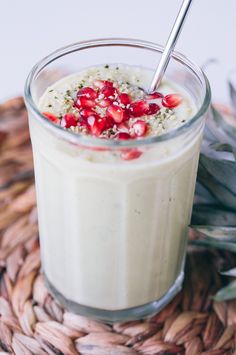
(31, 29)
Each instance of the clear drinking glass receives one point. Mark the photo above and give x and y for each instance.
(113, 231)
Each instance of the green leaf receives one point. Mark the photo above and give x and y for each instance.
(224, 147)
(209, 135)
(232, 92)
(211, 243)
(212, 133)
(224, 234)
(223, 126)
(226, 293)
(224, 171)
(231, 272)
(212, 215)
(219, 177)
(218, 190)
(202, 195)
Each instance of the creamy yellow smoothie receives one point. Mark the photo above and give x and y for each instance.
(113, 221)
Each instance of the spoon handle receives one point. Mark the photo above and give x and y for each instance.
(170, 44)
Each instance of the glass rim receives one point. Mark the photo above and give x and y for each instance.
(92, 141)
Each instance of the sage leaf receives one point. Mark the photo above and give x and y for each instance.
(202, 195)
(224, 234)
(226, 293)
(217, 130)
(224, 147)
(224, 171)
(219, 189)
(232, 92)
(211, 243)
(222, 126)
(212, 215)
(231, 272)
(209, 135)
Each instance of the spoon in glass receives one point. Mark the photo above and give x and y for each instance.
(170, 45)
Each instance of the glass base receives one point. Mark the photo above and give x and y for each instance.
(123, 315)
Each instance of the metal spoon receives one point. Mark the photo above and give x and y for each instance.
(170, 45)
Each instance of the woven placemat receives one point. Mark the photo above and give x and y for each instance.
(32, 322)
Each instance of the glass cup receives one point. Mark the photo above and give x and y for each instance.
(113, 231)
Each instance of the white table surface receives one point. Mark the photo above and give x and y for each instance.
(30, 30)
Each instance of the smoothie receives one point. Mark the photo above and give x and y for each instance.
(113, 220)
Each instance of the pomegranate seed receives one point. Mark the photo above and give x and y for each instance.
(131, 154)
(51, 117)
(69, 120)
(86, 112)
(171, 100)
(108, 91)
(138, 108)
(83, 122)
(154, 95)
(88, 93)
(109, 122)
(101, 83)
(105, 102)
(82, 102)
(124, 98)
(126, 114)
(116, 112)
(153, 108)
(96, 124)
(140, 128)
(123, 127)
(123, 136)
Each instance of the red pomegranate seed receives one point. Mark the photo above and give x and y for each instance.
(116, 112)
(109, 122)
(108, 91)
(154, 95)
(131, 154)
(88, 93)
(140, 128)
(153, 108)
(123, 127)
(105, 102)
(83, 122)
(86, 112)
(101, 83)
(171, 100)
(51, 117)
(82, 102)
(124, 98)
(126, 114)
(123, 136)
(138, 108)
(69, 120)
(96, 124)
